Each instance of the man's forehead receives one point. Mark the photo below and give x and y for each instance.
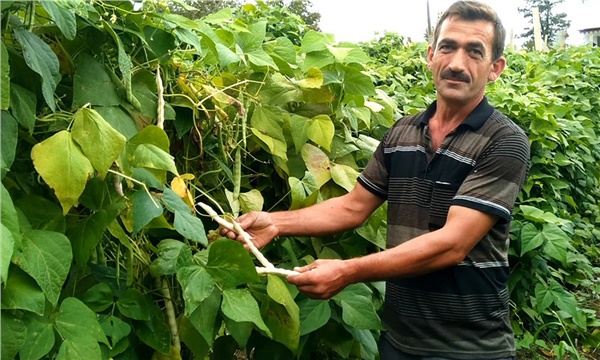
(481, 30)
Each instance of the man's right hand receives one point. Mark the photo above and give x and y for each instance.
(258, 224)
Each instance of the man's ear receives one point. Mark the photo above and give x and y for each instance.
(498, 67)
(429, 56)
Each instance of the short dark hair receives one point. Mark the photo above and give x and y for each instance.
(472, 11)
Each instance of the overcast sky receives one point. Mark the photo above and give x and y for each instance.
(359, 20)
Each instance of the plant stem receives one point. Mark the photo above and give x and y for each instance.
(170, 310)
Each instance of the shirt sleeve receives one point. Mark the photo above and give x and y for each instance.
(496, 180)
(375, 175)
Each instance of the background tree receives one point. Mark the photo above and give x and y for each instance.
(551, 24)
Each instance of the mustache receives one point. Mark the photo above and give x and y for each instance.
(455, 75)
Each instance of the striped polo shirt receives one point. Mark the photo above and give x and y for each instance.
(460, 311)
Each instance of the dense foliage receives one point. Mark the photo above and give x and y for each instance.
(116, 122)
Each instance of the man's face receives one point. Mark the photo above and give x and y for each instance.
(461, 61)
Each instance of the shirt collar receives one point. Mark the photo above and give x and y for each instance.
(474, 120)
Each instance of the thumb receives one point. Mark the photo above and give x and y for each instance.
(305, 268)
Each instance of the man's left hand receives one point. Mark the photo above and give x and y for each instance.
(322, 279)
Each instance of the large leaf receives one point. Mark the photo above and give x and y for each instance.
(230, 264)
(100, 143)
(23, 106)
(86, 234)
(63, 17)
(155, 332)
(314, 41)
(135, 305)
(172, 254)
(192, 338)
(531, 238)
(41, 59)
(99, 297)
(9, 136)
(118, 119)
(239, 305)
(190, 227)
(115, 328)
(357, 307)
(161, 42)
(282, 314)
(93, 84)
(22, 292)
(313, 315)
(320, 130)
(205, 315)
(357, 83)
(144, 209)
(299, 129)
(153, 157)
(196, 285)
(312, 80)
(259, 58)
(7, 245)
(81, 347)
(251, 201)
(14, 334)
(63, 166)
(40, 337)
(266, 125)
(557, 242)
(4, 78)
(75, 319)
(344, 176)
(317, 163)
(240, 331)
(46, 256)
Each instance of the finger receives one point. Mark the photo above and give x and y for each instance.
(305, 268)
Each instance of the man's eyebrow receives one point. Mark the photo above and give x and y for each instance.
(447, 42)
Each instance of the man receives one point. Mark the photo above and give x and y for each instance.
(451, 176)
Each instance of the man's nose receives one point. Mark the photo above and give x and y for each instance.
(458, 61)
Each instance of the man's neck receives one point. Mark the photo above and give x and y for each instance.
(451, 115)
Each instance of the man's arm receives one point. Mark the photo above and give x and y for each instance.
(423, 254)
(328, 217)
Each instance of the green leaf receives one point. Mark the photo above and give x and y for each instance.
(313, 315)
(115, 328)
(144, 209)
(297, 192)
(93, 84)
(22, 292)
(155, 332)
(118, 119)
(557, 243)
(188, 37)
(357, 83)
(259, 58)
(531, 238)
(41, 59)
(161, 42)
(240, 331)
(239, 305)
(7, 245)
(230, 264)
(100, 143)
(540, 216)
(80, 347)
(9, 135)
(149, 135)
(47, 257)
(285, 49)
(317, 162)
(63, 17)
(153, 157)
(314, 41)
(282, 314)
(192, 338)
(205, 315)
(321, 130)
(312, 80)
(14, 334)
(4, 78)
(135, 305)
(251, 201)
(226, 56)
(42, 213)
(23, 106)
(299, 129)
(173, 202)
(190, 227)
(253, 38)
(40, 337)
(99, 297)
(75, 319)
(171, 253)
(357, 308)
(266, 125)
(196, 285)
(63, 167)
(85, 235)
